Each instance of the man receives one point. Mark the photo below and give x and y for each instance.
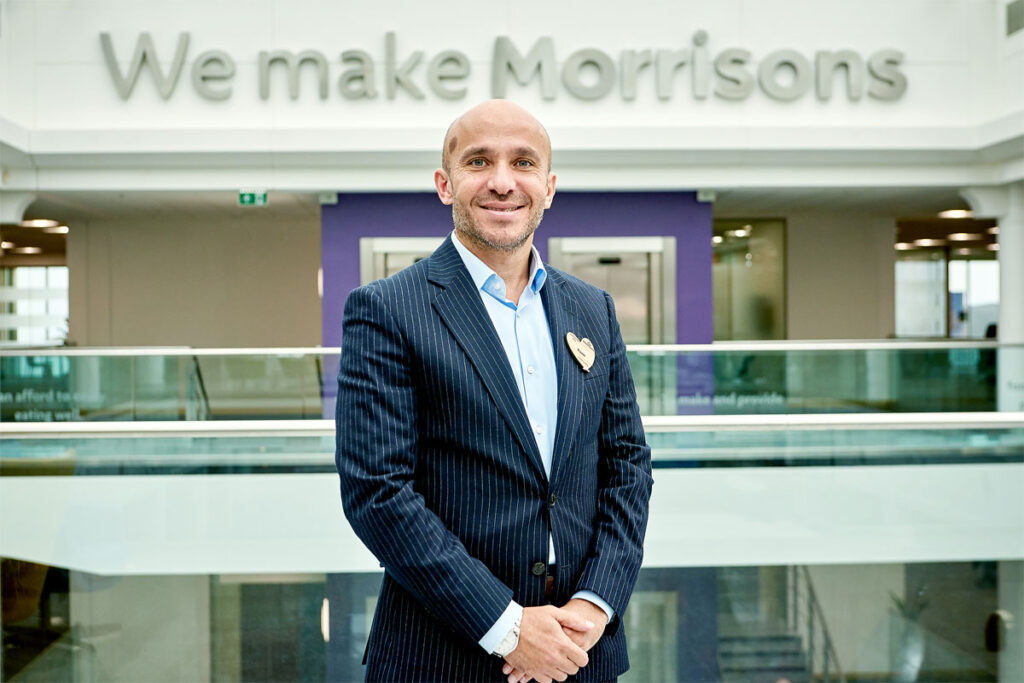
(489, 444)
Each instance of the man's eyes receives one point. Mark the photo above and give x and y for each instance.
(479, 162)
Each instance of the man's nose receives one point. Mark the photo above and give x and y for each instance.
(502, 180)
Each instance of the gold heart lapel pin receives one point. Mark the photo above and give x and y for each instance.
(582, 350)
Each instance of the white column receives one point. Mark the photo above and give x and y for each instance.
(13, 205)
(1006, 204)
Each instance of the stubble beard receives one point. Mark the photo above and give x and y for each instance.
(467, 227)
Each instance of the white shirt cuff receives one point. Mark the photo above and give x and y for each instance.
(591, 596)
(492, 639)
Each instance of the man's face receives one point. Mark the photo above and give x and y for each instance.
(498, 180)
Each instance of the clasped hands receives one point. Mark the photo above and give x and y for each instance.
(553, 641)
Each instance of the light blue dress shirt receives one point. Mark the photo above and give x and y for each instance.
(525, 336)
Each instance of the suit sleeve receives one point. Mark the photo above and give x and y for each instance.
(624, 486)
(377, 449)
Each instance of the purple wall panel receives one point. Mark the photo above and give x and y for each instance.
(647, 214)
(573, 214)
(385, 214)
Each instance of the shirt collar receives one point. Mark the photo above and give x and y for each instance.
(482, 274)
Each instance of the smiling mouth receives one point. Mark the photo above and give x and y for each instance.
(502, 209)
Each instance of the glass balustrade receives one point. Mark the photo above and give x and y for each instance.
(794, 377)
(684, 441)
(161, 385)
(946, 617)
(724, 379)
(180, 528)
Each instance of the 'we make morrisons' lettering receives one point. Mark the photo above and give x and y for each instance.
(588, 74)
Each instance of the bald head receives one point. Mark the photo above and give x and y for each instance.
(489, 116)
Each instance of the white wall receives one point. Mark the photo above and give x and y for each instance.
(223, 279)
(63, 109)
(141, 628)
(705, 517)
(840, 281)
(944, 41)
(856, 603)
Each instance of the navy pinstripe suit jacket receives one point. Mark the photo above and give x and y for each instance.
(442, 479)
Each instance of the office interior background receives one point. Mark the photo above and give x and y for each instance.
(811, 217)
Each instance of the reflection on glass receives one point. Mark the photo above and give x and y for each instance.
(33, 305)
(973, 297)
(916, 621)
(161, 387)
(761, 380)
(723, 378)
(749, 279)
(921, 294)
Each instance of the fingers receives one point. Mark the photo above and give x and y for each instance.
(580, 638)
(572, 620)
(578, 656)
(545, 651)
(514, 675)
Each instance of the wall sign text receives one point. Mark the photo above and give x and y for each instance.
(588, 74)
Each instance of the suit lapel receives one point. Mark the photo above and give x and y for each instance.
(563, 318)
(459, 306)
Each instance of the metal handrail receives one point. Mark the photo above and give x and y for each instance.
(166, 429)
(654, 424)
(829, 651)
(171, 351)
(824, 345)
(729, 346)
(824, 421)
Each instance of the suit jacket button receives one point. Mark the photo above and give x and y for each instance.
(539, 569)
(551, 500)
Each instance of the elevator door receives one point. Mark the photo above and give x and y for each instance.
(627, 277)
(638, 273)
(381, 257)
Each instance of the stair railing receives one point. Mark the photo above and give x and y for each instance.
(806, 617)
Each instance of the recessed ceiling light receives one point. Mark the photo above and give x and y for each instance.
(929, 243)
(904, 246)
(992, 247)
(58, 230)
(994, 230)
(6, 245)
(717, 239)
(964, 236)
(963, 252)
(27, 250)
(956, 213)
(39, 223)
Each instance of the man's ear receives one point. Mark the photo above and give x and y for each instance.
(444, 188)
(551, 190)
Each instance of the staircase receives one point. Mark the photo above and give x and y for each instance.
(762, 659)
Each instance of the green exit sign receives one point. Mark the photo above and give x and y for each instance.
(252, 197)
